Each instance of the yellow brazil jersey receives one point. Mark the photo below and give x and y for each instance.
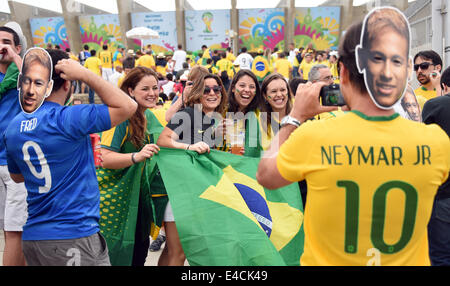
(93, 64)
(225, 65)
(421, 100)
(305, 67)
(117, 62)
(283, 67)
(162, 70)
(369, 196)
(428, 94)
(106, 58)
(335, 73)
(231, 57)
(119, 83)
(145, 61)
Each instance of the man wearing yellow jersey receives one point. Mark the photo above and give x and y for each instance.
(305, 66)
(230, 55)
(428, 65)
(107, 65)
(225, 68)
(146, 60)
(118, 56)
(333, 66)
(283, 66)
(372, 176)
(93, 64)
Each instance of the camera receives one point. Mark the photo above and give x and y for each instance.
(331, 96)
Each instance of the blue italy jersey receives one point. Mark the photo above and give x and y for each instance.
(51, 148)
(9, 108)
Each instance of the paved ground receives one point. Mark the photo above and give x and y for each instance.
(152, 258)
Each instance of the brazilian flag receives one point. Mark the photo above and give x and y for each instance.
(224, 217)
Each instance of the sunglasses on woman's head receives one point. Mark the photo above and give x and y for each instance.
(422, 66)
(216, 90)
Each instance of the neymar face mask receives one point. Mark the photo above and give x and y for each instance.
(383, 55)
(35, 82)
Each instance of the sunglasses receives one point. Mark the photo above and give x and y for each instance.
(216, 90)
(422, 66)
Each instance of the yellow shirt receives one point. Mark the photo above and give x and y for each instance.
(119, 83)
(93, 64)
(428, 94)
(225, 65)
(73, 57)
(305, 67)
(334, 72)
(283, 67)
(145, 61)
(118, 63)
(421, 101)
(106, 58)
(370, 195)
(162, 70)
(231, 57)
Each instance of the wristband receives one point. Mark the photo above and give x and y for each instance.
(132, 158)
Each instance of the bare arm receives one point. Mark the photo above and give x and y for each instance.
(115, 160)
(168, 139)
(121, 106)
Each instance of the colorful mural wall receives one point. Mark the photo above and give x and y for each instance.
(319, 26)
(49, 30)
(261, 28)
(164, 24)
(207, 27)
(265, 28)
(97, 30)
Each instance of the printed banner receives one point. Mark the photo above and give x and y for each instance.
(208, 28)
(261, 28)
(162, 22)
(97, 30)
(49, 30)
(319, 26)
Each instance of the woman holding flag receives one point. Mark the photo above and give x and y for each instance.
(126, 209)
(193, 129)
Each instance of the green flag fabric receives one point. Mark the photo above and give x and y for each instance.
(224, 217)
(126, 195)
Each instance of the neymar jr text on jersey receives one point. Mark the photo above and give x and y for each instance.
(374, 155)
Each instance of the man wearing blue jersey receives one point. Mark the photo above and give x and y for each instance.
(50, 150)
(13, 208)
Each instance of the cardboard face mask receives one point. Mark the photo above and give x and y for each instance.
(409, 107)
(35, 82)
(383, 55)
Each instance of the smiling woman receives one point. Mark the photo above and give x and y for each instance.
(126, 147)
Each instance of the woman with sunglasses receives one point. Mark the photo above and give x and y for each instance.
(193, 128)
(244, 103)
(196, 73)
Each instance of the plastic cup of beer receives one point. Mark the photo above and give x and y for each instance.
(237, 143)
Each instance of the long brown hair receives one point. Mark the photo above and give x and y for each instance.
(266, 107)
(138, 122)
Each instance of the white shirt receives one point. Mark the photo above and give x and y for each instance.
(245, 61)
(168, 87)
(291, 57)
(114, 79)
(179, 57)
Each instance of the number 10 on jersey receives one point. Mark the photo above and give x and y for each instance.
(352, 193)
